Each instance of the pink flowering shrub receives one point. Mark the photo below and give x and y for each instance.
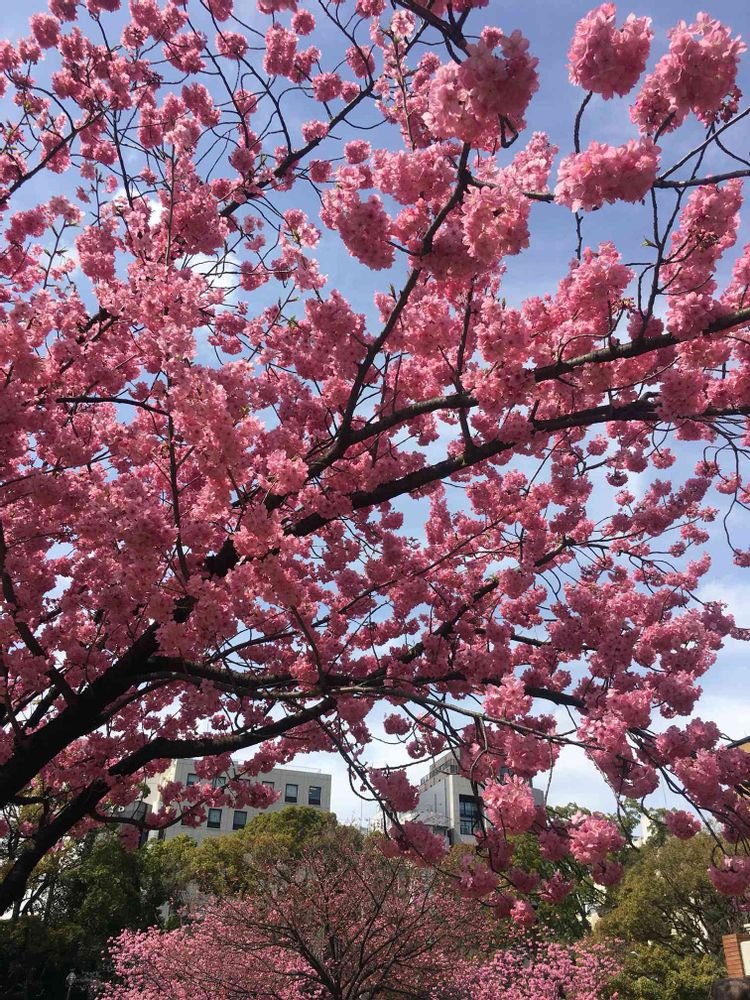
(326, 918)
(548, 973)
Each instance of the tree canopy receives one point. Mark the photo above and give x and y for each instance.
(281, 458)
(83, 895)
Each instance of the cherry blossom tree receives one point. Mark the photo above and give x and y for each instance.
(550, 971)
(244, 509)
(345, 923)
(339, 922)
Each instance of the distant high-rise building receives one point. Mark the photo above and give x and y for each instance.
(448, 803)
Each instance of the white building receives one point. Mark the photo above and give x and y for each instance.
(447, 802)
(298, 786)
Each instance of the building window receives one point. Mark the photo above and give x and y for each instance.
(269, 784)
(214, 819)
(161, 835)
(314, 795)
(290, 794)
(218, 782)
(192, 779)
(468, 811)
(240, 819)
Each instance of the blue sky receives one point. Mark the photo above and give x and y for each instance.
(549, 27)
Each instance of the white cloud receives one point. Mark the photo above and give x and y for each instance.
(219, 272)
(575, 779)
(733, 592)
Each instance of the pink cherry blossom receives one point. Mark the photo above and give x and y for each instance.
(607, 174)
(698, 74)
(470, 100)
(593, 837)
(606, 59)
(682, 824)
(364, 226)
(549, 971)
(261, 498)
(45, 29)
(732, 876)
(395, 788)
(269, 944)
(510, 805)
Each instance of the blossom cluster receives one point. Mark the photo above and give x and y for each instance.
(495, 216)
(707, 228)
(606, 59)
(606, 174)
(698, 74)
(471, 100)
(364, 226)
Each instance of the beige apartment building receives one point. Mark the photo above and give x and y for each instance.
(298, 787)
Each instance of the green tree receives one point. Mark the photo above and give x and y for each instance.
(94, 890)
(229, 865)
(651, 972)
(671, 919)
(296, 824)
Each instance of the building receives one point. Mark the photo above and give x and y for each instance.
(298, 786)
(447, 802)
(743, 744)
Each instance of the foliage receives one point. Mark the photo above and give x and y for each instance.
(229, 865)
(672, 920)
(666, 897)
(35, 958)
(214, 462)
(651, 972)
(293, 826)
(99, 887)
